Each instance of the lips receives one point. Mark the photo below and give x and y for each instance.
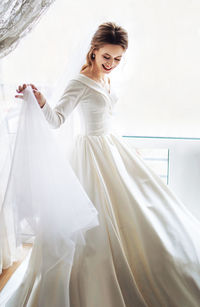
(107, 69)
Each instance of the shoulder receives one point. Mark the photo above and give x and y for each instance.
(73, 90)
(75, 82)
(82, 81)
(74, 85)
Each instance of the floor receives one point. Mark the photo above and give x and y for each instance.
(11, 277)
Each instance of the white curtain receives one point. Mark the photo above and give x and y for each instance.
(17, 18)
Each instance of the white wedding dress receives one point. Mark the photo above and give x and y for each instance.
(146, 251)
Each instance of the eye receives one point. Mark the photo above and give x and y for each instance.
(118, 60)
(107, 58)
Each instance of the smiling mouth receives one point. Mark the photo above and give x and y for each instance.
(107, 69)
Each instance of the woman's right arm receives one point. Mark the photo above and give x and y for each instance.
(67, 103)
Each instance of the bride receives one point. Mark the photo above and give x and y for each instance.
(146, 250)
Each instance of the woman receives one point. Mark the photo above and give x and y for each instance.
(146, 251)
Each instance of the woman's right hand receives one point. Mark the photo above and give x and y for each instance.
(38, 95)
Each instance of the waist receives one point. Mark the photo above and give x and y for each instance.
(97, 130)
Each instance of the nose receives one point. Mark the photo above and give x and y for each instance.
(109, 63)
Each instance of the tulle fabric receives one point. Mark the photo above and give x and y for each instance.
(9, 251)
(43, 192)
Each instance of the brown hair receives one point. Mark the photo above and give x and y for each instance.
(107, 33)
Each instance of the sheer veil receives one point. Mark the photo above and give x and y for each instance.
(41, 193)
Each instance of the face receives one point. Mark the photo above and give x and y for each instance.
(108, 57)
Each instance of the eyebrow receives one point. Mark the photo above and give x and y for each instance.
(119, 56)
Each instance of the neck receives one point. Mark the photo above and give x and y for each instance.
(96, 74)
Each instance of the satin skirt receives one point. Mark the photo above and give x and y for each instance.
(146, 250)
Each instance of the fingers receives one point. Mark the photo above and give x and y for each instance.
(33, 86)
(21, 88)
(36, 92)
(19, 96)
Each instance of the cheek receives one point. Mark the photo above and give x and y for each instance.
(100, 61)
(103, 61)
(115, 64)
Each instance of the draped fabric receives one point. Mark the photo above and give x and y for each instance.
(17, 18)
(8, 251)
(43, 191)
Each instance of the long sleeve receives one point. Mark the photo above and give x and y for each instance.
(67, 103)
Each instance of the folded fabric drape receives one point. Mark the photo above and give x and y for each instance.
(17, 19)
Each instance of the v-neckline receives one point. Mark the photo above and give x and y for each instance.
(112, 97)
(99, 84)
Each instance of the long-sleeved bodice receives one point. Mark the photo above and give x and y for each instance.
(95, 105)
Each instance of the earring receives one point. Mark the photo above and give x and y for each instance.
(93, 56)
